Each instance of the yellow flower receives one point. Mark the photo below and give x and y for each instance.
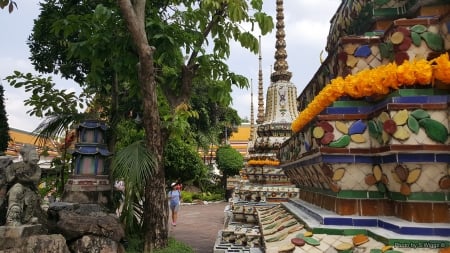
(423, 72)
(388, 76)
(405, 74)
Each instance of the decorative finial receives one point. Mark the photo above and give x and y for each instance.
(281, 66)
(252, 124)
(260, 118)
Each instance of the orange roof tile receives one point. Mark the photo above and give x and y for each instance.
(243, 133)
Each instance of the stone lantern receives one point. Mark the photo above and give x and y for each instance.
(89, 182)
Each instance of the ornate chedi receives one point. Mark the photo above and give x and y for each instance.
(371, 139)
(267, 180)
(89, 182)
(370, 149)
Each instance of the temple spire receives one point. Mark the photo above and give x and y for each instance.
(260, 118)
(252, 116)
(281, 72)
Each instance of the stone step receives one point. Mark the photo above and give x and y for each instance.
(389, 230)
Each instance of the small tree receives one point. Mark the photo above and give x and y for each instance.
(183, 162)
(229, 162)
(4, 127)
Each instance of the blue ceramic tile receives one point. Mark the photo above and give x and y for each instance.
(366, 109)
(416, 158)
(442, 231)
(338, 221)
(389, 159)
(438, 99)
(388, 226)
(338, 158)
(412, 99)
(342, 110)
(445, 158)
(365, 222)
(364, 159)
(416, 231)
(363, 51)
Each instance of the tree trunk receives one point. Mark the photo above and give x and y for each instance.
(155, 205)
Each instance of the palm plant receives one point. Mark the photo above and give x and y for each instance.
(134, 165)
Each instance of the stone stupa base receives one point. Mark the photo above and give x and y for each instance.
(88, 190)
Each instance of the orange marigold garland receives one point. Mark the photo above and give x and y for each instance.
(263, 162)
(423, 72)
(377, 81)
(442, 69)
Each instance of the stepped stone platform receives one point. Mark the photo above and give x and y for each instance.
(388, 230)
(330, 230)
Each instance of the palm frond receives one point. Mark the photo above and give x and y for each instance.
(134, 164)
(55, 126)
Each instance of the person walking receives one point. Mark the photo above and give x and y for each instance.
(174, 202)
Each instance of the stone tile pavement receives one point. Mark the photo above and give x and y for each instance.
(198, 225)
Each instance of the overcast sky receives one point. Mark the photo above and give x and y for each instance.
(307, 23)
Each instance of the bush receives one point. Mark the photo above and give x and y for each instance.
(212, 196)
(136, 244)
(187, 196)
(176, 247)
(205, 196)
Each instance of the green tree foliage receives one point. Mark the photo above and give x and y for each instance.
(46, 100)
(182, 161)
(4, 127)
(11, 4)
(229, 162)
(214, 116)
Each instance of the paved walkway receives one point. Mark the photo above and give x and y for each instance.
(198, 225)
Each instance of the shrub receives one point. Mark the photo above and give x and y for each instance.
(186, 197)
(136, 244)
(176, 247)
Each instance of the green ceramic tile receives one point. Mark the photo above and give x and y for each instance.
(378, 237)
(386, 12)
(417, 92)
(348, 194)
(355, 231)
(420, 196)
(350, 103)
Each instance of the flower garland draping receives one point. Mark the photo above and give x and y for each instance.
(263, 162)
(376, 81)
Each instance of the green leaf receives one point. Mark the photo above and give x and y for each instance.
(265, 22)
(419, 28)
(386, 50)
(420, 114)
(434, 41)
(311, 241)
(413, 124)
(435, 130)
(3, 3)
(416, 39)
(256, 4)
